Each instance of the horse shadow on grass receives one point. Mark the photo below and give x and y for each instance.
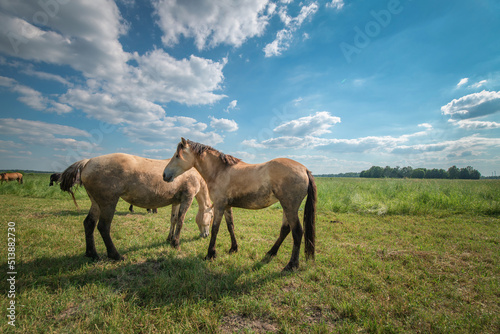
(167, 279)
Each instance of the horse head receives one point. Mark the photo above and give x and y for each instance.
(182, 161)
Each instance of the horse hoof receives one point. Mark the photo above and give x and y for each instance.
(210, 256)
(175, 244)
(233, 250)
(290, 267)
(116, 257)
(269, 255)
(93, 257)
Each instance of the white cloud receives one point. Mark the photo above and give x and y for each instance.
(46, 134)
(81, 34)
(223, 124)
(232, 105)
(292, 24)
(473, 105)
(85, 35)
(363, 144)
(313, 125)
(336, 4)
(462, 82)
(211, 23)
(479, 84)
(167, 132)
(18, 126)
(29, 70)
(34, 98)
(476, 125)
(455, 148)
(427, 126)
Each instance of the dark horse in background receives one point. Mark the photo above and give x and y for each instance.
(138, 181)
(54, 178)
(12, 177)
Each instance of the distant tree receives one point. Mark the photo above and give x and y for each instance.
(436, 174)
(418, 173)
(475, 175)
(453, 172)
(421, 173)
(469, 173)
(406, 171)
(373, 172)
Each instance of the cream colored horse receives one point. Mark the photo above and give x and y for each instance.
(233, 183)
(137, 181)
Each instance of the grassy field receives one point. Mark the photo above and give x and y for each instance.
(393, 256)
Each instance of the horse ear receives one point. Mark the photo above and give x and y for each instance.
(184, 142)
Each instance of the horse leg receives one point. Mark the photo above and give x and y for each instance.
(89, 224)
(173, 221)
(228, 215)
(104, 227)
(294, 224)
(211, 254)
(183, 208)
(285, 230)
(131, 208)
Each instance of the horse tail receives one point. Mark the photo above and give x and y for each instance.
(310, 218)
(71, 176)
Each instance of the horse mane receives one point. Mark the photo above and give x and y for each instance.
(198, 149)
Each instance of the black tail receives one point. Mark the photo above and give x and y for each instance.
(71, 176)
(310, 218)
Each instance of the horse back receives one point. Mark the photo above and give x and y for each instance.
(137, 180)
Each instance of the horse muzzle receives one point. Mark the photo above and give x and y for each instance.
(168, 177)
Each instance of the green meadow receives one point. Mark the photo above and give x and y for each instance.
(392, 256)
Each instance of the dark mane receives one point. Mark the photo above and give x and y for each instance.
(199, 149)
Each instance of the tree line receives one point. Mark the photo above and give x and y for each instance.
(422, 173)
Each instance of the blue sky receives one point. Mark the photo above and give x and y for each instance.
(337, 85)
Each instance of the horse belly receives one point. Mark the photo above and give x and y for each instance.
(149, 199)
(256, 200)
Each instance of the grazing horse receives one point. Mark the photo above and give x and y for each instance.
(138, 181)
(11, 177)
(234, 183)
(54, 178)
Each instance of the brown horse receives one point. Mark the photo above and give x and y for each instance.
(12, 177)
(234, 183)
(138, 181)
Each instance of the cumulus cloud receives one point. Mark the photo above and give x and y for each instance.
(85, 35)
(313, 125)
(223, 124)
(211, 23)
(65, 35)
(166, 132)
(292, 24)
(473, 105)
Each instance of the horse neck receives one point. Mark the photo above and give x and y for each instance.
(208, 166)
